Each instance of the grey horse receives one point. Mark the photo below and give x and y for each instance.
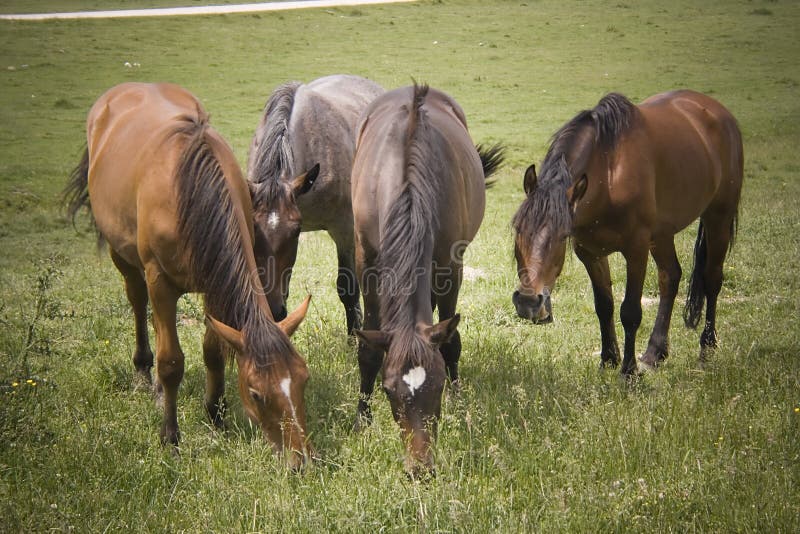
(304, 125)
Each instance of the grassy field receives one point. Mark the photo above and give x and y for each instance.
(539, 439)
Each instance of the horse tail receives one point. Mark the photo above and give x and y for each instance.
(491, 160)
(271, 149)
(696, 296)
(76, 195)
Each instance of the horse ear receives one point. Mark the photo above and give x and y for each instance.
(293, 320)
(234, 337)
(301, 184)
(441, 332)
(376, 339)
(578, 189)
(529, 182)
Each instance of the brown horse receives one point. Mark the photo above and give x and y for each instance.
(167, 195)
(626, 178)
(304, 124)
(418, 199)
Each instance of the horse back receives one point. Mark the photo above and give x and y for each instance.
(322, 130)
(379, 168)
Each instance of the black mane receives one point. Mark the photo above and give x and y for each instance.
(213, 244)
(548, 205)
(274, 158)
(410, 227)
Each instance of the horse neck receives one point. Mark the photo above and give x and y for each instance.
(580, 151)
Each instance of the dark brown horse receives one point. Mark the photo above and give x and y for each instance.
(168, 197)
(626, 178)
(418, 199)
(304, 124)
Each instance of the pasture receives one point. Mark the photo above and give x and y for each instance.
(539, 438)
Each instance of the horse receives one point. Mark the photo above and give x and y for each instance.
(168, 197)
(303, 124)
(626, 178)
(418, 187)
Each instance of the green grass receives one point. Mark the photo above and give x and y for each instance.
(539, 439)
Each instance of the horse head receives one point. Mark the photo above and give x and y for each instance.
(278, 222)
(413, 380)
(273, 393)
(542, 227)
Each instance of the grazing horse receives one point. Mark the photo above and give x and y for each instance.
(626, 178)
(418, 200)
(303, 124)
(167, 195)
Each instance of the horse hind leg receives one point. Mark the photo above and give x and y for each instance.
(347, 286)
(136, 290)
(669, 276)
(718, 236)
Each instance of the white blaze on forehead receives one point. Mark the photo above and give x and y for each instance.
(414, 378)
(273, 220)
(286, 385)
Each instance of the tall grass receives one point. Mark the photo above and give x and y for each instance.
(539, 438)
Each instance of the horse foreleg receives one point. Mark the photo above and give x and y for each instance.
(446, 295)
(169, 356)
(215, 378)
(600, 276)
(136, 290)
(370, 360)
(669, 277)
(631, 310)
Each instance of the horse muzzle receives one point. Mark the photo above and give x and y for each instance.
(537, 309)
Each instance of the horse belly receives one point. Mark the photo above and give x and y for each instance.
(686, 182)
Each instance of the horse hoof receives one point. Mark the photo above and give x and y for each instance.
(644, 367)
(142, 381)
(648, 362)
(361, 423)
(455, 387)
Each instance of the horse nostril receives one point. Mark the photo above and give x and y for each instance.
(281, 315)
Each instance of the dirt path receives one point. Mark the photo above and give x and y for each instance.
(200, 10)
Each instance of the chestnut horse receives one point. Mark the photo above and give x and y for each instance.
(626, 178)
(167, 195)
(418, 200)
(303, 124)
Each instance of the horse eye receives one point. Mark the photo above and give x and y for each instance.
(256, 396)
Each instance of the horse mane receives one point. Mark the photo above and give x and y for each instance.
(213, 244)
(548, 203)
(274, 157)
(410, 226)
